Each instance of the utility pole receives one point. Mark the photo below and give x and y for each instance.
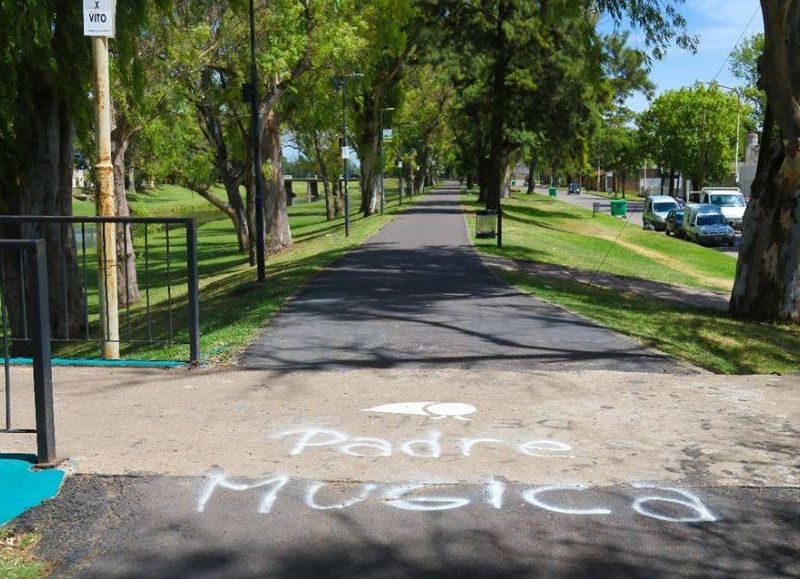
(99, 24)
(383, 193)
(252, 92)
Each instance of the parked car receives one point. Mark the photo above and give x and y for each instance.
(674, 223)
(730, 200)
(705, 224)
(574, 189)
(656, 209)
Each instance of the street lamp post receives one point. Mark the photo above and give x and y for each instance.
(400, 179)
(341, 83)
(255, 123)
(383, 193)
(738, 123)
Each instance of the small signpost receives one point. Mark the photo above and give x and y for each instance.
(99, 18)
(99, 23)
(387, 135)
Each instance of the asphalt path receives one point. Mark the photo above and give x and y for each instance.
(131, 527)
(418, 295)
(587, 200)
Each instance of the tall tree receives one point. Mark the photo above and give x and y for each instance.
(539, 67)
(692, 131)
(390, 45)
(767, 285)
(44, 64)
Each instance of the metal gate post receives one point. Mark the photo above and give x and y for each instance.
(193, 291)
(42, 373)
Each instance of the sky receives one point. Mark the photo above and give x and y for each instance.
(718, 25)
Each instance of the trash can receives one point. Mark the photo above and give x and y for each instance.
(553, 191)
(486, 224)
(619, 207)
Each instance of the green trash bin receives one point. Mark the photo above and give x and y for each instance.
(619, 207)
(553, 191)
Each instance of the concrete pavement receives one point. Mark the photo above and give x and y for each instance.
(421, 473)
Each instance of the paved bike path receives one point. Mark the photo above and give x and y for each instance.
(418, 295)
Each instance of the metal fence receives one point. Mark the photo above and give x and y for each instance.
(31, 253)
(166, 310)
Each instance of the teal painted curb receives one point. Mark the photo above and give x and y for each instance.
(22, 487)
(101, 363)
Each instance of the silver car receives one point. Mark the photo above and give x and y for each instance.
(656, 209)
(705, 224)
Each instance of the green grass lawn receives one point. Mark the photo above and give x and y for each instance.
(538, 228)
(232, 309)
(541, 229)
(16, 556)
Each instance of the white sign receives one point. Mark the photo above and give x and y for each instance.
(387, 134)
(346, 152)
(99, 18)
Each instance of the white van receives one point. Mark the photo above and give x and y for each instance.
(729, 199)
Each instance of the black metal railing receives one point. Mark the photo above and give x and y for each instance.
(32, 254)
(164, 311)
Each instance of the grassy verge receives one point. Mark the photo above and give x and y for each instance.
(232, 308)
(538, 228)
(709, 339)
(16, 556)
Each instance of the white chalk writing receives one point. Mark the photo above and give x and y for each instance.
(428, 497)
(428, 446)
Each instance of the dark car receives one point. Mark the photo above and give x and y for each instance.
(574, 189)
(674, 223)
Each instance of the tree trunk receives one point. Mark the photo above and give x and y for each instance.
(531, 182)
(495, 165)
(127, 281)
(369, 155)
(131, 179)
(228, 172)
(506, 192)
(237, 210)
(767, 279)
(277, 216)
(46, 134)
(319, 159)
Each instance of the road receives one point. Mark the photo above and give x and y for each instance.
(586, 200)
(418, 295)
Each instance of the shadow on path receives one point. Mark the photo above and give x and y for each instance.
(417, 295)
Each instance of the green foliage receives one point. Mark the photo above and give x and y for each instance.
(744, 66)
